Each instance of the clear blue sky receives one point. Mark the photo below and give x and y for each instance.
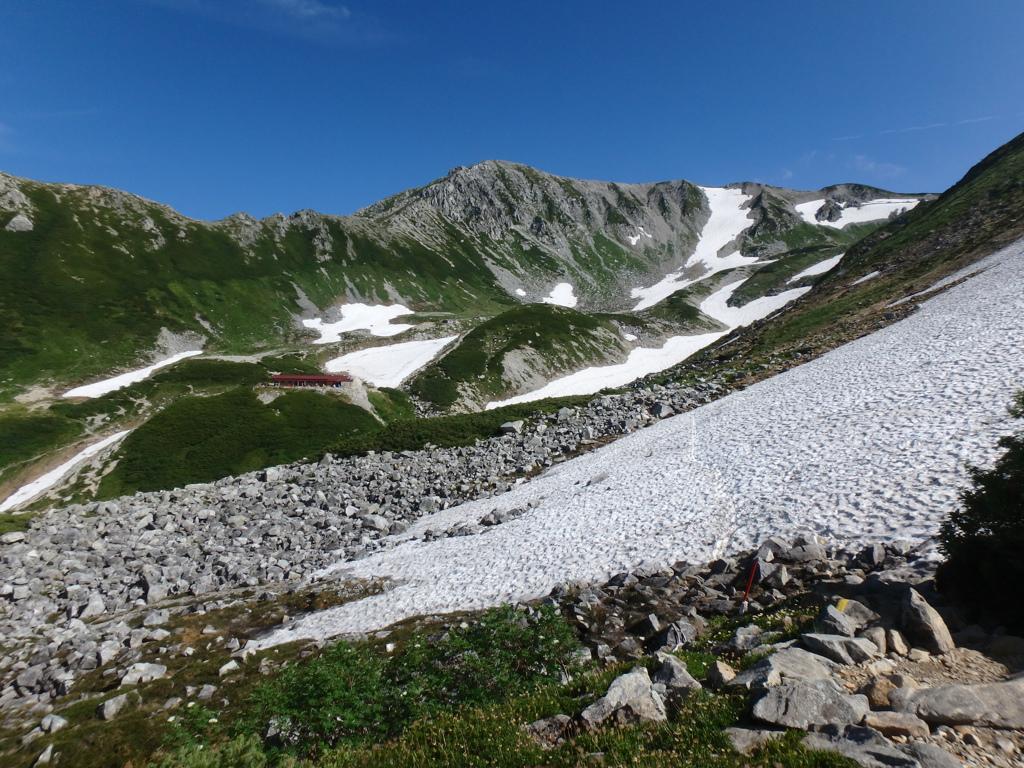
(215, 106)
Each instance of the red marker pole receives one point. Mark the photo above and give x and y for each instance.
(754, 568)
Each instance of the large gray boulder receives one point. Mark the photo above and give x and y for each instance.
(923, 625)
(843, 650)
(20, 223)
(110, 708)
(789, 666)
(143, 673)
(810, 702)
(992, 705)
(673, 673)
(629, 700)
(872, 750)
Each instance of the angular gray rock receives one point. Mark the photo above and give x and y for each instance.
(788, 666)
(810, 702)
(923, 625)
(720, 674)
(865, 745)
(20, 223)
(843, 650)
(673, 673)
(549, 732)
(746, 740)
(629, 700)
(143, 673)
(110, 708)
(993, 705)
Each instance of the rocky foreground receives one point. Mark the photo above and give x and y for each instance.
(866, 664)
(101, 604)
(71, 586)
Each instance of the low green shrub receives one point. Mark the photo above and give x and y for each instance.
(200, 439)
(352, 695)
(502, 655)
(241, 752)
(342, 696)
(449, 431)
(983, 539)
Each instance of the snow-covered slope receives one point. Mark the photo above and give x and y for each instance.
(868, 442)
(872, 210)
(729, 218)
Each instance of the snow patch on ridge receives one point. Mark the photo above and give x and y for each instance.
(729, 218)
(388, 366)
(354, 317)
(125, 379)
(642, 361)
(818, 269)
(872, 210)
(562, 295)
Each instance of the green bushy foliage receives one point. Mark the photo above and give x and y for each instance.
(24, 436)
(213, 372)
(242, 752)
(200, 439)
(984, 539)
(352, 695)
(448, 431)
(341, 697)
(392, 404)
(487, 662)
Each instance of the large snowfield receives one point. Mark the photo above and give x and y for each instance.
(389, 365)
(872, 210)
(866, 443)
(354, 317)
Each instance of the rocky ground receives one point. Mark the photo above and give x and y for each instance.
(112, 603)
(75, 584)
(859, 659)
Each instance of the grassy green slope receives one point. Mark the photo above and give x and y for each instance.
(556, 338)
(89, 288)
(202, 439)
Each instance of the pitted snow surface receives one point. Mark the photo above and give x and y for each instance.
(866, 443)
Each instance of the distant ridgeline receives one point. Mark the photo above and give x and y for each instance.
(507, 281)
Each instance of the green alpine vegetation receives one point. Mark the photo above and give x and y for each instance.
(200, 439)
(525, 344)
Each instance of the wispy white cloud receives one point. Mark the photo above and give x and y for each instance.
(912, 128)
(787, 174)
(880, 170)
(309, 9)
(326, 21)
